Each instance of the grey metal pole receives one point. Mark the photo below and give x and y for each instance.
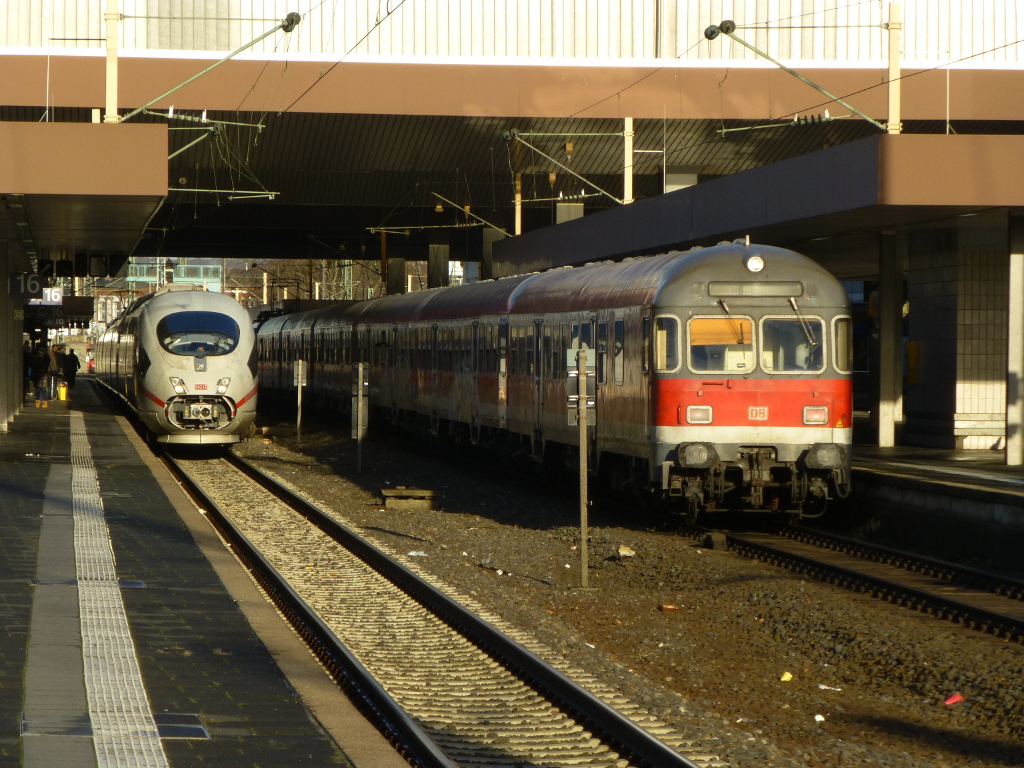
(728, 27)
(581, 367)
(287, 25)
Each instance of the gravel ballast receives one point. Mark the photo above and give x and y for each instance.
(758, 665)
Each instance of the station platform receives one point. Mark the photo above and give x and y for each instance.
(965, 507)
(130, 636)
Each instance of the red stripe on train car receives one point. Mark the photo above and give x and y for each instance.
(743, 402)
(248, 397)
(150, 396)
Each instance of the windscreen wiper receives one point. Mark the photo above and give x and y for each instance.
(803, 322)
(737, 327)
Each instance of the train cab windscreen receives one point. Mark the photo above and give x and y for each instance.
(792, 345)
(722, 344)
(197, 334)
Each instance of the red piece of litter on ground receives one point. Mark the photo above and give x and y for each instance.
(956, 698)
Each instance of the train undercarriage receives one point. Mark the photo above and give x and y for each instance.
(756, 480)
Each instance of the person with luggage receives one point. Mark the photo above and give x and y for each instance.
(70, 366)
(40, 374)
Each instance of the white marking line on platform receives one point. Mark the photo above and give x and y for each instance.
(968, 473)
(123, 728)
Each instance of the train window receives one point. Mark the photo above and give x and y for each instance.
(557, 357)
(530, 343)
(843, 334)
(646, 340)
(503, 347)
(792, 344)
(617, 347)
(197, 334)
(586, 338)
(513, 350)
(666, 343)
(602, 351)
(494, 345)
(723, 344)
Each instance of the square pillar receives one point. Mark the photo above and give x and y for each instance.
(958, 338)
(437, 266)
(891, 251)
(396, 276)
(1015, 345)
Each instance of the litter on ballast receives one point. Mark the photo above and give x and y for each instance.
(819, 718)
(417, 553)
(956, 698)
(828, 687)
(786, 677)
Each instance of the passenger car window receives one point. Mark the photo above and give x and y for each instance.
(792, 344)
(666, 343)
(843, 354)
(721, 344)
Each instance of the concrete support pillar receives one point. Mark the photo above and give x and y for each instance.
(890, 335)
(396, 276)
(6, 320)
(112, 19)
(437, 266)
(1015, 346)
(627, 161)
(518, 230)
(490, 237)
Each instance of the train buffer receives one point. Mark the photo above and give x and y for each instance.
(404, 499)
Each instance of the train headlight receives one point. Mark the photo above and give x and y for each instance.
(755, 263)
(825, 456)
(698, 414)
(815, 414)
(222, 385)
(179, 386)
(696, 455)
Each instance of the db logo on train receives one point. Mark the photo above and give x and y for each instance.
(758, 413)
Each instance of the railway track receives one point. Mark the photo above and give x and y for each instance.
(976, 599)
(446, 682)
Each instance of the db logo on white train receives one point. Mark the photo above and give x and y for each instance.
(758, 413)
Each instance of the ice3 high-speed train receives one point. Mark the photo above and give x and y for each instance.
(723, 373)
(184, 359)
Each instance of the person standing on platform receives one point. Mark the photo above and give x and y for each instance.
(26, 362)
(55, 368)
(41, 377)
(71, 364)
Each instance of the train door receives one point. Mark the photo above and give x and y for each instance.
(474, 365)
(535, 367)
(645, 369)
(503, 373)
(435, 420)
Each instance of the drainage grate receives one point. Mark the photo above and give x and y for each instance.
(57, 725)
(36, 458)
(174, 726)
(122, 583)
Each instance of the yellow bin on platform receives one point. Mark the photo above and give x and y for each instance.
(62, 391)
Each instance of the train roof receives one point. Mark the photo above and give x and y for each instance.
(678, 278)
